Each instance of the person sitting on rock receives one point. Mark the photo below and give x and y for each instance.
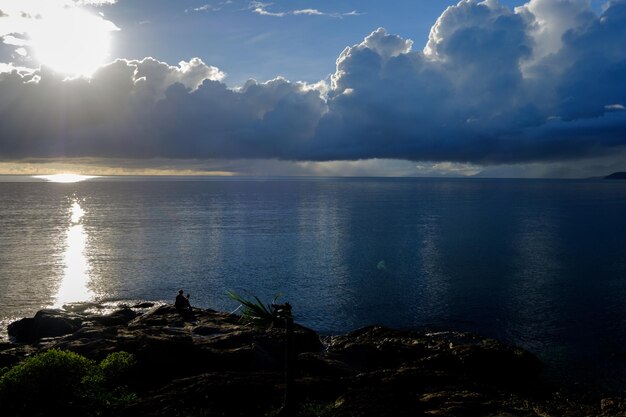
(183, 306)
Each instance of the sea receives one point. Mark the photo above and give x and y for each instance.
(536, 263)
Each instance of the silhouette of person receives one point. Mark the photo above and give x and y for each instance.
(183, 305)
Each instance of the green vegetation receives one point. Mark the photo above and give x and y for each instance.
(61, 382)
(255, 312)
(115, 367)
(317, 409)
(310, 409)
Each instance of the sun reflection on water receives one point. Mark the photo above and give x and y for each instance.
(74, 287)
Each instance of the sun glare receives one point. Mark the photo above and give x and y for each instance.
(72, 41)
(64, 178)
(74, 286)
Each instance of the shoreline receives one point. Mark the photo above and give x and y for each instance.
(372, 371)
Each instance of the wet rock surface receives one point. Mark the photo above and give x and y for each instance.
(216, 365)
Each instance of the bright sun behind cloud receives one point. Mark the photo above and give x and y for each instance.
(72, 41)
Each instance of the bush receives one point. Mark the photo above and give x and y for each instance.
(108, 381)
(52, 380)
(115, 367)
(57, 381)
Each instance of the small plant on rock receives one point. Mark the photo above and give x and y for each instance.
(257, 313)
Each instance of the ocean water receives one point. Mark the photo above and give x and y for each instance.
(536, 263)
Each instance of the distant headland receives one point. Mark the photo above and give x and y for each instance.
(616, 176)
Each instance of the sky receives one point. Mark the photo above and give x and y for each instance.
(369, 88)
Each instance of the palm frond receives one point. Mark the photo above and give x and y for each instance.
(254, 310)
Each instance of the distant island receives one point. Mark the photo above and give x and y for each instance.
(616, 176)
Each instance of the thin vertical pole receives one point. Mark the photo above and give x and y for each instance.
(289, 406)
(289, 395)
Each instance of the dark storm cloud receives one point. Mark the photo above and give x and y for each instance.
(544, 82)
(479, 93)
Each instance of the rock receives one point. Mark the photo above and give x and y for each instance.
(46, 323)
(118, 317)
(319, 364)
(613, 406)
(145, 304)
(207, 330)
(377, 347)
(214, 364)
(212, 394)
(159, 316)
(5, 346)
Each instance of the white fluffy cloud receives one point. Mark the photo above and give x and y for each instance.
(549, 20)
(544, 82)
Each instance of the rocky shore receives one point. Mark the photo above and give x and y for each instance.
(216, 365)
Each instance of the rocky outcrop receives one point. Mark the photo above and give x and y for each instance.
(46, 323)
(217, 365)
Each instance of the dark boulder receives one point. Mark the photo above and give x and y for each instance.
(495, 361)
(46, 323)
(145, 304)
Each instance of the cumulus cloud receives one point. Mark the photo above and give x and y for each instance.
(147, 108)
(543, 82)
(479, 92)
(548, 21)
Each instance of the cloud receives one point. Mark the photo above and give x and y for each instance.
(479, 93)
(203, 8)
(210, 7)
(261, 8)
(94, 2)
(146, 109)
(492, 86)
(548, 21)
(594, 166)
(311, 12)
